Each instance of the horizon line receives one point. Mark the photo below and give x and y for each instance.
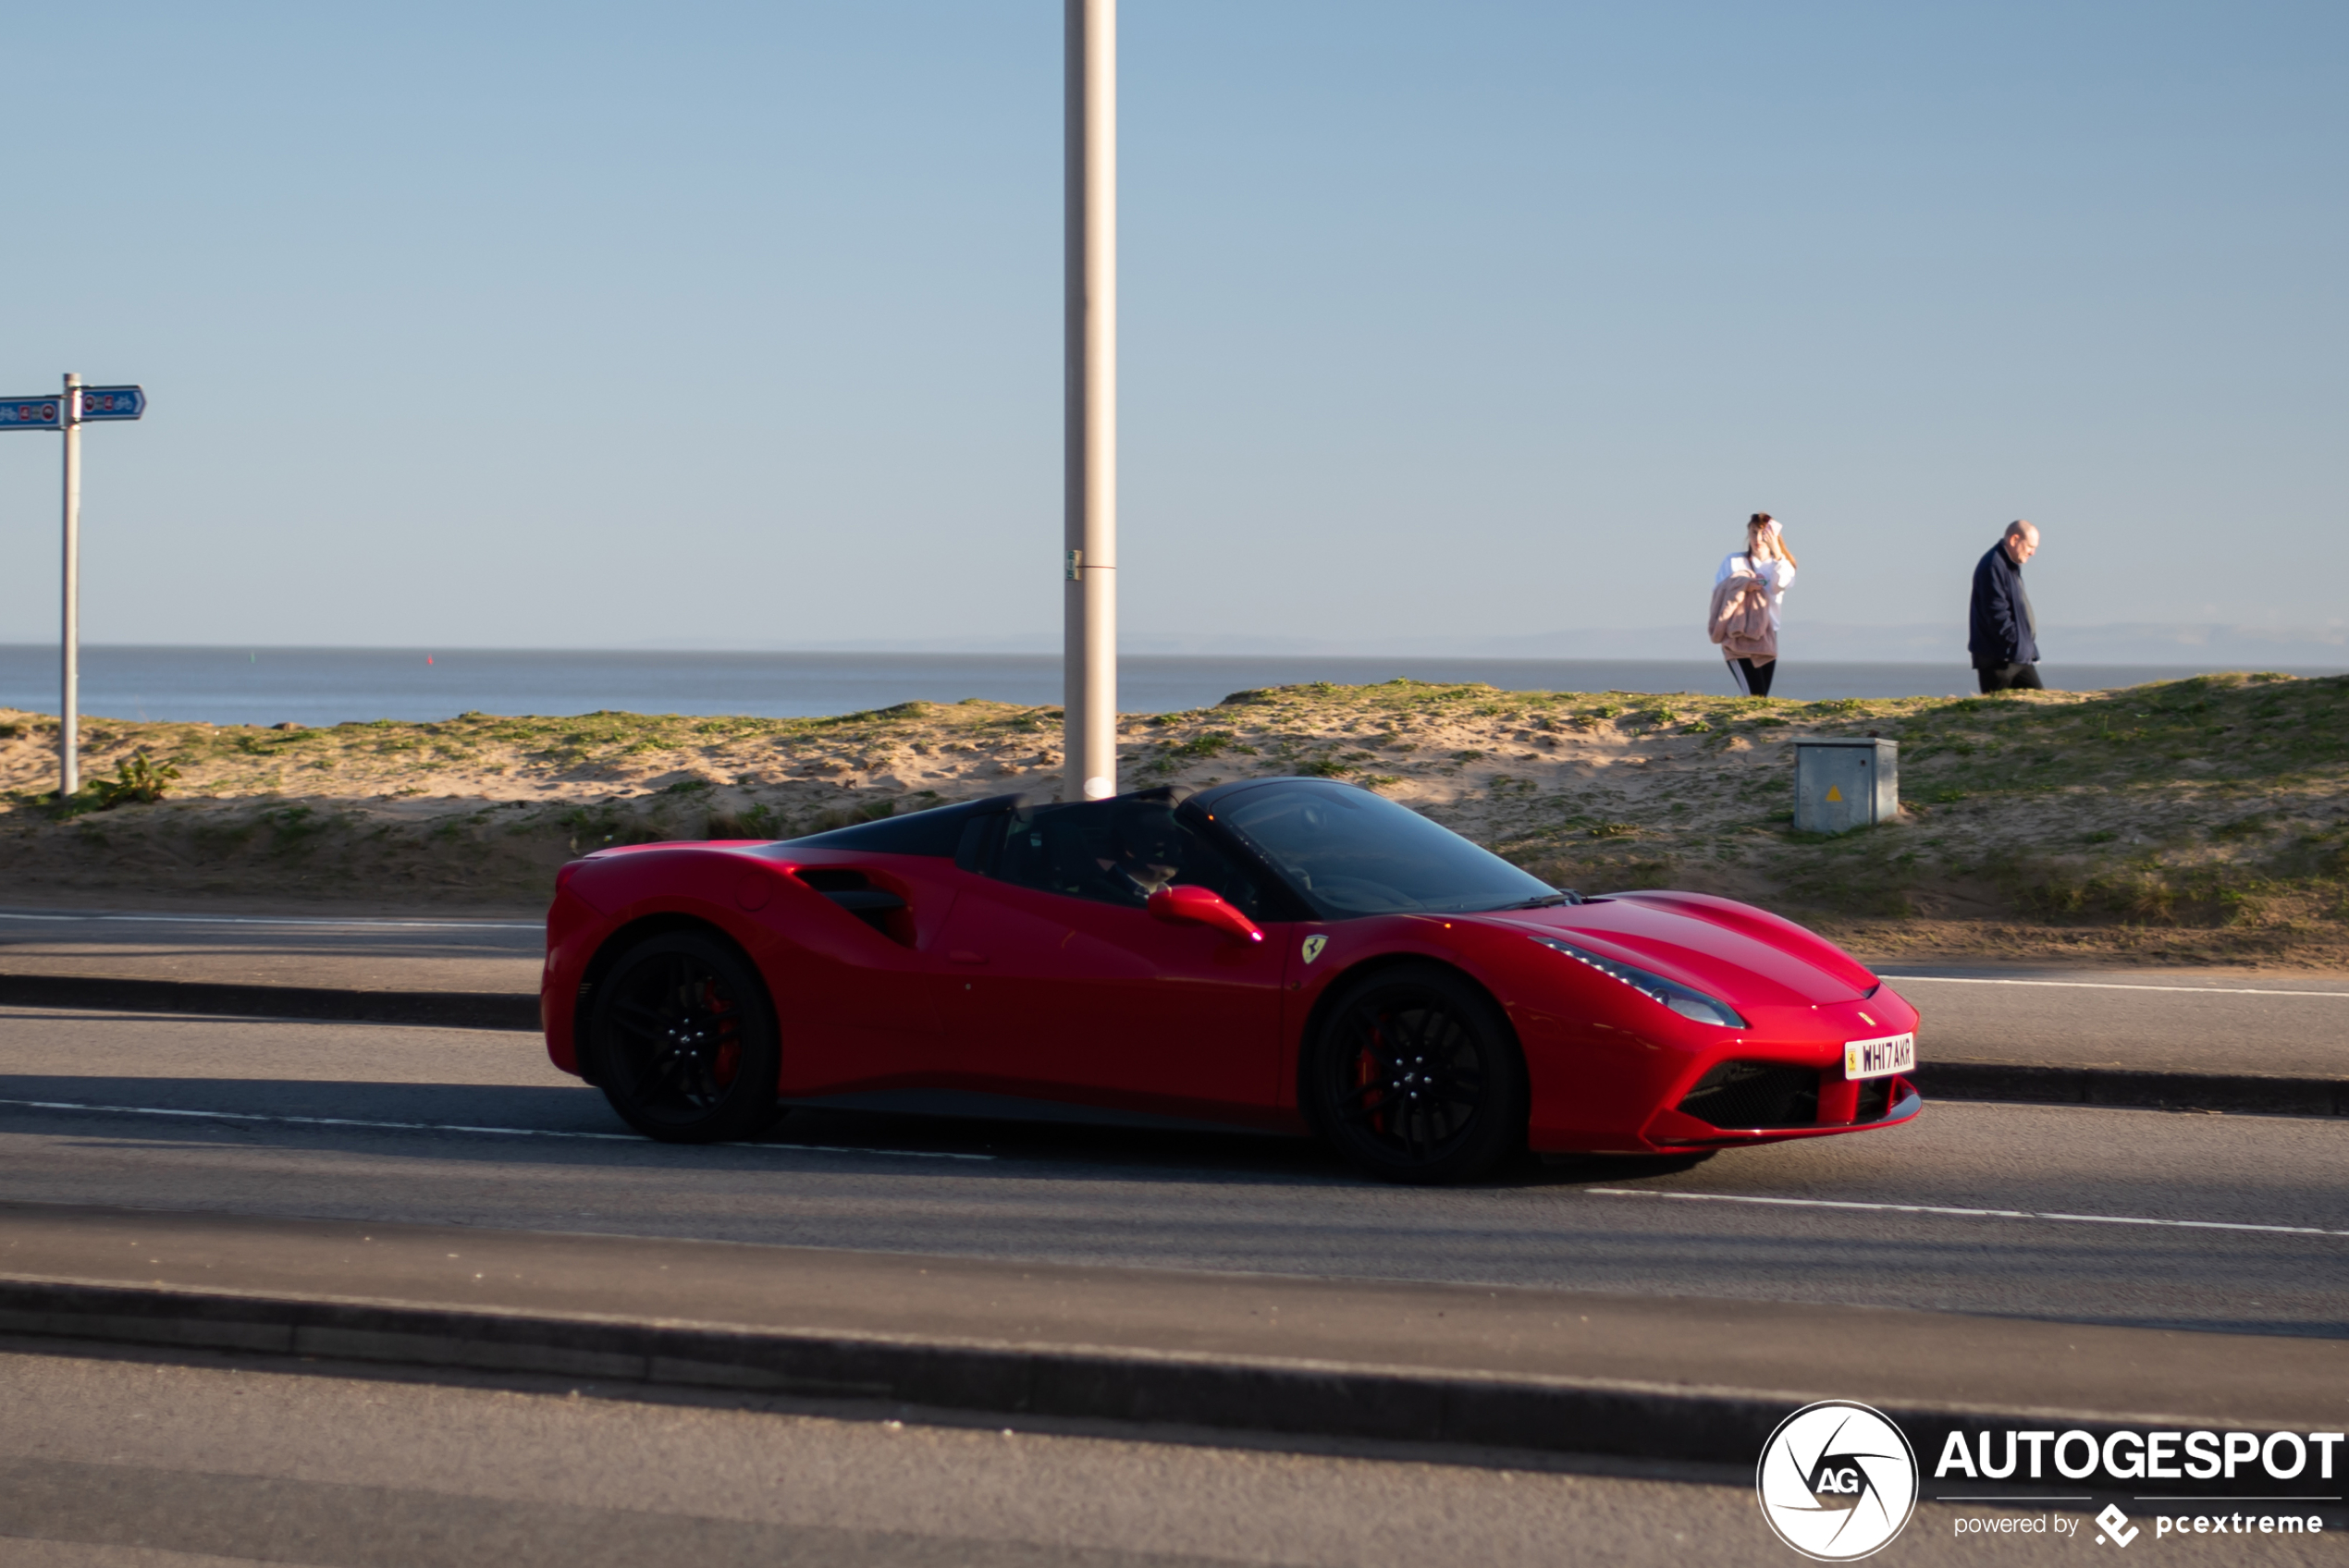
(1909, 661)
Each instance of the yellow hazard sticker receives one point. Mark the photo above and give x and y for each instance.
(1834, 793)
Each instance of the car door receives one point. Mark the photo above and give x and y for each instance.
(1069, 989)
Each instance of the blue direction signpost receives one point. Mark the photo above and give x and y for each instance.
(34, 413)
(112, 402)
(68, 412)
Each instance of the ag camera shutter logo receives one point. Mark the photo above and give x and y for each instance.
(1837, 1481)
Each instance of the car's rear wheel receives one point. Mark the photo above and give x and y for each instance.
(683, 1040)
(1416, 1076)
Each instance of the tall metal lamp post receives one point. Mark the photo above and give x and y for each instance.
(1089, 566)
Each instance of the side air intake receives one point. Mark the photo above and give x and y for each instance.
(854, 891)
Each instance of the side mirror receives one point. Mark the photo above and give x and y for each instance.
(1202, 906)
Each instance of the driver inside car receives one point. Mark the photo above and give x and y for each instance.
(1145, 850)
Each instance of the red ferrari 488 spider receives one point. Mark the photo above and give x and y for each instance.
(1286, 954)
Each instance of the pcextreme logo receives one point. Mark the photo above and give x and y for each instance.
(1837, 1481)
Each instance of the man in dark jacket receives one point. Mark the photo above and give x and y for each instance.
(2004, 632)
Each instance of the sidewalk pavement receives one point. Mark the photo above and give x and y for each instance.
(411, 955)
(1662, 1379)
(2202, 1039)
(2145, 1020)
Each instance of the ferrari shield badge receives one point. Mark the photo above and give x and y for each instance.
(1313, 946)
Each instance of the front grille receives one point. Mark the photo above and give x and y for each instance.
(1756, 1094)
(1876, 1100)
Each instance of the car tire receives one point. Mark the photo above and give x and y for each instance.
(1415, 1075)
(682, 1039)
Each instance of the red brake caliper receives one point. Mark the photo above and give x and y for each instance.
(729, 1050)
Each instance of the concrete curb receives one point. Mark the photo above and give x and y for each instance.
(1297, 1398)
(2012, 1083)
(2241, 1091)
(444, 1009)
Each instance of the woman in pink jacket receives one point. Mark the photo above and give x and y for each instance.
(1766, 556)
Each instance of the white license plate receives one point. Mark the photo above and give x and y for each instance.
(1875, 1059)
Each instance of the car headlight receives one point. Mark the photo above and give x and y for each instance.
(1682, 1000)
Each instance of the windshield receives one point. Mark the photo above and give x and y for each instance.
(1352, 853)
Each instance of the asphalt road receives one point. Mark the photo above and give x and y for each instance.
(2072, 1214)
(130, 1461)
(2136, 1217)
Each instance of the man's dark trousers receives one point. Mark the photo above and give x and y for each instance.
(2010, 677)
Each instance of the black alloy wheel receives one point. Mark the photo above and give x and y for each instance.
(1416, 1076)
(683, 1041)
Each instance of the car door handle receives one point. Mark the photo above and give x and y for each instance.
(964, 955)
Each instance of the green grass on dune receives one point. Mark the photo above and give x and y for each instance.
(2220, 802)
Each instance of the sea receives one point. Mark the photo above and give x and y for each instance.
(324, 686)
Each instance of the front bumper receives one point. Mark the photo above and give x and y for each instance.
(1836, 1104)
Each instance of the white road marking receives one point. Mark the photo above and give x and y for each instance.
(1970, 1213)
(2109, 986)
(286, 920)
(453, 1127)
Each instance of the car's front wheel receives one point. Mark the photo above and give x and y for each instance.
(683, 1041)
(1416, 1076)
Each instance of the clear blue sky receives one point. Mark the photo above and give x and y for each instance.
(600, 324)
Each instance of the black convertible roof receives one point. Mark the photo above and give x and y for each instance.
(937, 831)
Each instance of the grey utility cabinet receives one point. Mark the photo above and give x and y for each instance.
(1839, 785)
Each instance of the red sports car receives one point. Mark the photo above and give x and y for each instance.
(1291, 954)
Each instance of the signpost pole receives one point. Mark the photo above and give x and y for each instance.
(65, 414)
(69, 698)
(1089, 527)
